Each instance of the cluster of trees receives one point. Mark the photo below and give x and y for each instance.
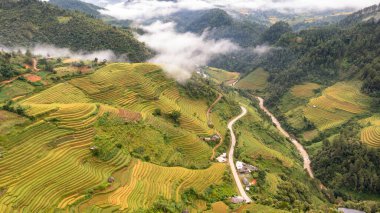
(174, 115)
(346, 163)
(9, 106)
(199, 88)
(6, 70)
(27, 22)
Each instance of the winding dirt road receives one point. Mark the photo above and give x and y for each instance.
(300, 148)
(231, 156)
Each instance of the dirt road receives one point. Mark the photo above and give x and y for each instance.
(231, 156)
(300, 148)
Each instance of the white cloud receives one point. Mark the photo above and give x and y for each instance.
(138, 10)
(262, 49)
(50, 50)
(180, 53)
(144, 9)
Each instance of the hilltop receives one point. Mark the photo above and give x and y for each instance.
(25, 23)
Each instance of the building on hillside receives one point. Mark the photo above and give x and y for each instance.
(245, 168)
(246, 182)
(222, 158)
(111, 179)
(237, 199)
(239, 165)
(213, 138)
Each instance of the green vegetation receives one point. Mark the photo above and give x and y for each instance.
(347, 164)
(256, 80)
(78, 6)
(29, 22)
(222, 76)
(243, 32)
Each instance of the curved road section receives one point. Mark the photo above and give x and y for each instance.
(301, 150)
(231, 156)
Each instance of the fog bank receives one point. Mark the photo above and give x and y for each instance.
(180, 53)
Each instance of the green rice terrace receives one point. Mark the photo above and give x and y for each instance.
(124, 137)
(84, 136)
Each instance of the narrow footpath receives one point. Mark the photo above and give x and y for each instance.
(209, 121)
(300, 148)
(231, 156)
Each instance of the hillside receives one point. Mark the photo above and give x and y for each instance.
(125, 137)
(25, 23)
(78, 6)
(323, 84)
(220, 25)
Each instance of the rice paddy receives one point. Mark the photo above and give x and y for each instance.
(336, 105)
(222, 76)
(256, 80)
(14, 89)
(143, 183)
(53, 150)
(305, 90)
(371, 136)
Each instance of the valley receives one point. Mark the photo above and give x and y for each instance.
(189, 106)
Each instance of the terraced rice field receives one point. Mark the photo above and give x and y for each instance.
(54, 149)
(304, 90)
(145, 182)
(8, 120)
(14, 89)
(336, 105)
(256, 80)
(371, 136)
(255, 148)
(222, 76)
(61, 93)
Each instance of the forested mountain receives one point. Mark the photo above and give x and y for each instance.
(363, 15)
(220, 25)
(78, 6)
(325, 55)
(29, 22)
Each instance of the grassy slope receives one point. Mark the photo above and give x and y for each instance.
(255, 80)
(222, 76)
(331, 108)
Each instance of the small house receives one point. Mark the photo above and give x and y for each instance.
(222, 158)
(111, 179)
(237, 199)
(246, 182)
(239, 165)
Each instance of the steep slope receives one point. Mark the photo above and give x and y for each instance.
(26, 23)
(220, 25)
(78, 6)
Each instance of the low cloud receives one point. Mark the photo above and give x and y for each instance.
(46, 50)
(180, 53)
(262, 49)
(139, 10)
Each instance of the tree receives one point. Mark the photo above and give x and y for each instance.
(175, 115)
(157, 112)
